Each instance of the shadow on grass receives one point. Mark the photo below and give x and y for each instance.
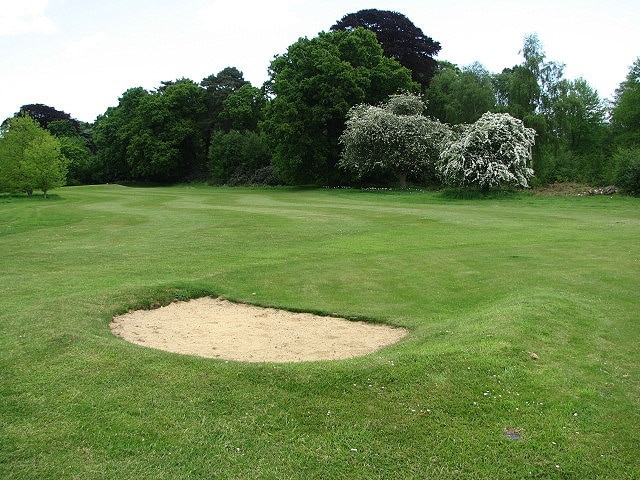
(475, 194)
(23, 197)
(141, 184)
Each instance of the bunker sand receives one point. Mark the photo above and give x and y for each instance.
(216, 328)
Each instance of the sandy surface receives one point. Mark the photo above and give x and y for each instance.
(216, 328)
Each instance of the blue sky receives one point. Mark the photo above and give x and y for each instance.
(81, 55)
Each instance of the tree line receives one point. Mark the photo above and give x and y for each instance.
(292, 129)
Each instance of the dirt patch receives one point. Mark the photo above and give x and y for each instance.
(562, 189)
(575, 189)
(216, 328)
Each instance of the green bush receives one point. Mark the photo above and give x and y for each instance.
(628, 170)
(558, 166)
(236, 155)
(264, 176)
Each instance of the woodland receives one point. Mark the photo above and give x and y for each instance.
(291, 129)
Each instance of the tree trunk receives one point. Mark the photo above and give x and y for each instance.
(402, 179)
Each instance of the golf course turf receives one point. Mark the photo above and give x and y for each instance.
(522, 358)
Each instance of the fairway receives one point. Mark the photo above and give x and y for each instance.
(522, 358)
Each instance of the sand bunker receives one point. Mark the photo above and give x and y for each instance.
(217, 328)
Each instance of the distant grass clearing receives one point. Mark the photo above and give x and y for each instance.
(216, 328)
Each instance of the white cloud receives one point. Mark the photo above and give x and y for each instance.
(25, 16)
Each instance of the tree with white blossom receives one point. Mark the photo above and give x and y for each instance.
(394, 138)
(493, 152)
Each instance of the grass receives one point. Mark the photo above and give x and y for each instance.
(481, 283)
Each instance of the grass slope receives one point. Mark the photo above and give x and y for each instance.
(482, 284)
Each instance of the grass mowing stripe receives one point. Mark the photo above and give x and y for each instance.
(483, 284)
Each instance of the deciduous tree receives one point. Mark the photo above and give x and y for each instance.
(44, 166)
(156, 136)
(394, 138)
(76, 148)
(625, 117)
(625, 123)
(45, 115)
(243, 109)
(81, 161)
(458, 95)
(112, 135)
(30, 158)
(400, 39)
(568, 116)
(313, 86)
(493, 152)
(218, 88)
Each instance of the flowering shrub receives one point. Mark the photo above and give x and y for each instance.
(495, 151)
(394, 138)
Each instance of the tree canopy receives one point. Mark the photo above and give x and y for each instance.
(45, 115)
(625, 120)
(460, 95)
(393, 138)
(218, 88)
(568, 116)
(184, 130)
(243, 109)
(155, 136)
(30, 158)
(400, 39)
(313, 85)
(495, 151)
(625, 116)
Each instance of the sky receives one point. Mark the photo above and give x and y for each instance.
(79, 56)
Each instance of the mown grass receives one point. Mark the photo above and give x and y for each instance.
(481, 283)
